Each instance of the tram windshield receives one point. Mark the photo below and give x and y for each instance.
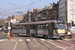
(60, 26)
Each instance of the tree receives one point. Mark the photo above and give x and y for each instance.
(2, 21)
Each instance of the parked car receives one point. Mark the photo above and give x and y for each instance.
(69, 32)
(72, 29)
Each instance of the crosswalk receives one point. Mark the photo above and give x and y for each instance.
(31, 39)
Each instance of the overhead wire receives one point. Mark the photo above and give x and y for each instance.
(21, 6)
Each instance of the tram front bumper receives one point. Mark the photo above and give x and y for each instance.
(59, 35)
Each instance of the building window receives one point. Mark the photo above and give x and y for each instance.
(72, 16)
(61, 1)
(61, 9)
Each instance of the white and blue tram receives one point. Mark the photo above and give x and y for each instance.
(46, 29)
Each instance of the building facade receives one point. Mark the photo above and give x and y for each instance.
(67, 10)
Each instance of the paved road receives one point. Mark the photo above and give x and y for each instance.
(34, 43)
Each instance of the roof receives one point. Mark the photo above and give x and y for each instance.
(40, 22)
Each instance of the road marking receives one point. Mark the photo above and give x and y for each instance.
(43, 39)
(2, 40)
(12, 40)
(20, 39)
(67, 39)
(56, 45)
(34, 39)
(28, 39)
(15, 45)
(59, 40)
(50, 40)
(34, 45)
(5, 39)
(37, 46)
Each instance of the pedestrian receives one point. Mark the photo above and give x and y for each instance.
(7, 31)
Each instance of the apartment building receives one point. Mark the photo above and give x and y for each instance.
(67, 10)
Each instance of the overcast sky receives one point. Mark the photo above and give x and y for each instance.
(20, 7)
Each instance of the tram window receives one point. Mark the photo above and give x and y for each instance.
(17, 27)
(46, 26)
(24, 27)
(43, 26)
(20, 27)
(40, 27)
(13, 27)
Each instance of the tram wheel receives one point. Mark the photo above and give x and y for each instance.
(61, 37)
(32, 35)
(45, 36)
(14, 35)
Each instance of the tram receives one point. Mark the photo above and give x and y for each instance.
(46, 29)
(21, 29)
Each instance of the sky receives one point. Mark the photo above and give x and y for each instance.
(20, 7)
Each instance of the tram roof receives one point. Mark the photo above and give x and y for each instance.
(39, 22)
(26, 23)
(42, 22)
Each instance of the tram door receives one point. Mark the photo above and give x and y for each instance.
(51, 30)
(28, 30)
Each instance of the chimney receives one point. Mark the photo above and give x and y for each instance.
(45, 6)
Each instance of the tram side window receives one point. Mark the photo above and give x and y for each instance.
(46, 26)
(43, 26)
(17, 27)
(40, 27)
(20, 27)
(14, 27)
(32, 26)
(24, 27)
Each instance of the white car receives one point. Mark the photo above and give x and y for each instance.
(72, 29)
(69, 32)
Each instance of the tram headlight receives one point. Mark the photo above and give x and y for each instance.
(60, 30)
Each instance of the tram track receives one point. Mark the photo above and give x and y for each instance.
(42, 44)
(65, 44)
(27, 45)
(73, 42)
